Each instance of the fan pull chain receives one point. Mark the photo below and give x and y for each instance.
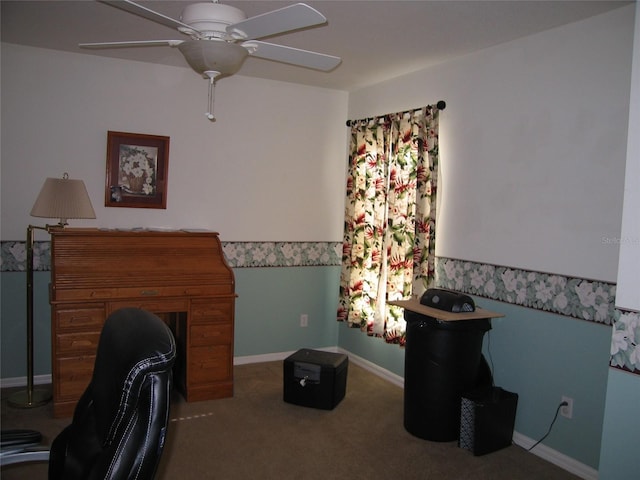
(211, 100)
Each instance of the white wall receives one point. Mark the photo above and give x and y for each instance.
(628, 293)
(533, 143)
(271, 168)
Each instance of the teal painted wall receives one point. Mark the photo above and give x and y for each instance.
(543, 356)
(375, 350)
(13, 333)
(268, 308)
(269, 304)
(620, 455)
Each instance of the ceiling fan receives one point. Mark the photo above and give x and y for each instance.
(221, 37)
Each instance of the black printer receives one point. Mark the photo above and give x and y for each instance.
(448, 300)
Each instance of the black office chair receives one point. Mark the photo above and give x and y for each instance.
(120, 422)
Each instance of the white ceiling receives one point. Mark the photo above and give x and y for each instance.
(377, 39)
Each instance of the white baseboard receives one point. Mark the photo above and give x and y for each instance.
(361, 362)
(375, 369)
(22, 381)
(272, 357)
(267, 357)
(553, 456)
(563, 461)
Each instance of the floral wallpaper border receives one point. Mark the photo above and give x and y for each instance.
(574, 297)
(625, 351)
(238, 254)
(282, 254)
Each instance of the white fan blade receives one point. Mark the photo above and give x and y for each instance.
(282, 20)
(135, 8)
(134, 43)
(294, 56)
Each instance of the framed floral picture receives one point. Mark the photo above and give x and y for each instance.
(137, 167)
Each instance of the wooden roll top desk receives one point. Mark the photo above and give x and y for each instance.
(181, 276)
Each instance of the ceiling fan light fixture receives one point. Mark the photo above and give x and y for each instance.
(213, 55)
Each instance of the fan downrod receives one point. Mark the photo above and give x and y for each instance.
(212, 75)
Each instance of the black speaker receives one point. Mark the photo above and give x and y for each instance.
(448, 300)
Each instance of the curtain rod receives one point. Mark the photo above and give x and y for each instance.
(441, 105)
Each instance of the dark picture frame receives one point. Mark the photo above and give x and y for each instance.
(137, 168)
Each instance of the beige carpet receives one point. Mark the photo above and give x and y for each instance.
(256, 435)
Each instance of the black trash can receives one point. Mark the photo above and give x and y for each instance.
(443, 359)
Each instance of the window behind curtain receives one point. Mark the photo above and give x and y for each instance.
(389, 228)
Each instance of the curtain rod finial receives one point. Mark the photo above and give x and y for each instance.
(441, 105)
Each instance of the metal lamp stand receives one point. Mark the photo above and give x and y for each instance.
(30, 397)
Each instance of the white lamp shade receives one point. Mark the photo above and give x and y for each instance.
(63, 198)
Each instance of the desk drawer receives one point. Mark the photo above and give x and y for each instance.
(73, 318)
(218, 310)
(75, 343)
(73, 376)
(209, 364)
(211, 334)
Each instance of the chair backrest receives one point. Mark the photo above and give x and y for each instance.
(120, 422)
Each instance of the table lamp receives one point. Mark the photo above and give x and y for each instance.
(62, 198)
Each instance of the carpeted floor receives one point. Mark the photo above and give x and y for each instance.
(256, 434)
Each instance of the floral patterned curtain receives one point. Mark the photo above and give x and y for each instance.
(389, 229)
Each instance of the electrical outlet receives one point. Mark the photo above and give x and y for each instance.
(304, 320)
(566, 410)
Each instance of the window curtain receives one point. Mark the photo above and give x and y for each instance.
(388, 249)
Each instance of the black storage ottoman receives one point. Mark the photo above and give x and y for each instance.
(314, 378)
(487, 419)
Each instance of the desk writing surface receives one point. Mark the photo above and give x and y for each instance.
(414, 305)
